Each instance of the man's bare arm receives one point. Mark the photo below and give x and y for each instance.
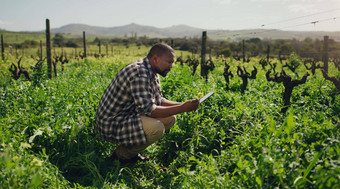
(166, 102)
(166, 111)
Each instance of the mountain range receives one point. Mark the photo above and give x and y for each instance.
(180, 31)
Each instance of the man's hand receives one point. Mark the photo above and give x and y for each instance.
(191, 105)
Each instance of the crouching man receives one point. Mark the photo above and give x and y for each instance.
(132, 111)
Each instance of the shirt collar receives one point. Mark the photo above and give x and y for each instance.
(148, 66)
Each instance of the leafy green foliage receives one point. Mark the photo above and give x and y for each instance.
(233, 140)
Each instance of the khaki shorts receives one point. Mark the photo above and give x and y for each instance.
(153, 129)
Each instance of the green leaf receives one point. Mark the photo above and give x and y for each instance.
(312, 164)
(258, 181)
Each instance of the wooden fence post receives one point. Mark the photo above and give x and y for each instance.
(325, 53)
(2, 47)
(100, 47)
(268, 51)
(84, 43)
(203, 49)
(243, 52)
(41, 50)
(48, 49)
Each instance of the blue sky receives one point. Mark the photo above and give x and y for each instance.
(30, 15)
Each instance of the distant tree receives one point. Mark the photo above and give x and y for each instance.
(71, 43)
(29, 43)
(96, 40)
(139, 44)
(58, 40)
(254, 40)
(286, 48)
(225, 52)
(253, 49)
(185, 46)
(234, 47)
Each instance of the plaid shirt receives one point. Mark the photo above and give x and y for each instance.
(134, 91)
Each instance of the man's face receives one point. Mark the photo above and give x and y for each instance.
(164, 63)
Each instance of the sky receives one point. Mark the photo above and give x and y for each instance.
(296, 15)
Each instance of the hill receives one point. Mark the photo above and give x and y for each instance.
(130, 30)
(179, 31)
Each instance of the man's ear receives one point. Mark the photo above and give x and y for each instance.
(155, 58)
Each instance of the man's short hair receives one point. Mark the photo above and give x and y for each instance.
(160, 49)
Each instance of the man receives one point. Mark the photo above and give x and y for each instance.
(132, 111)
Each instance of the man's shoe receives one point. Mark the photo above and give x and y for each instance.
(142, 158)
(138, 157)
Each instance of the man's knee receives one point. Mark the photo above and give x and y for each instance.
(153, 128)
(168, 121)
(172, 120)
(156, 132)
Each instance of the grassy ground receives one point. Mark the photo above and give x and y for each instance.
(233, 140)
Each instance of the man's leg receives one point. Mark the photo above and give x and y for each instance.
(154, 130)
(168, 121)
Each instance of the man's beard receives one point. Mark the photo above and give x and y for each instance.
(162, 73)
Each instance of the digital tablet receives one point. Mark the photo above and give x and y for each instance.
(206, 96)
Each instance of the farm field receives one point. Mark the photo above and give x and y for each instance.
(20, 37)
(233, 140)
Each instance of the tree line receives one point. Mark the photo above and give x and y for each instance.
(251, 47)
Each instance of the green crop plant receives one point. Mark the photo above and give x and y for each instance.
(232, 140)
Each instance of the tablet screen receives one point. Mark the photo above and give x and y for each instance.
(206, 96)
